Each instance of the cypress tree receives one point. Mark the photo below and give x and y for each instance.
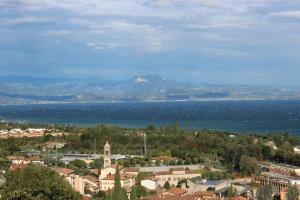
(133, 195)
(292, 193)
(230, 192)
(264, 193)
(125, 196)
(118, 193)
(167, 185)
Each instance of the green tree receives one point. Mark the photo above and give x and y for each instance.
(248, 165)
(141, 176)
(101, 195)
(292, 193)
(118, 191)
(133, 195)
(78, 163)
(37, 182)
(264, 192)
(97, 164)
(167, 185)
(231, 191)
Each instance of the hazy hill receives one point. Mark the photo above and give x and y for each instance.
(15, 89)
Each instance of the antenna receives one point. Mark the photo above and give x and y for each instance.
(145, 144)
(94, 146)
(56, 152)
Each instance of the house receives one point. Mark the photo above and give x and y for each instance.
(149, 184)
(91, 183)
(76, 181)
(131, 170)
(174, 175)
(107, 183)
(180, 194)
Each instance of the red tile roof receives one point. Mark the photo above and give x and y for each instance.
(176, 191)
(238, 198)
(64, 171)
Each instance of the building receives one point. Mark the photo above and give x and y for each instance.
(107, 174)
(218, 187)
(76, 181)
(174, 175)
(107, 183)
(278, 181)
(91, 183)
(149, 184)
(287, 170)
(107, 155)
(180, 194)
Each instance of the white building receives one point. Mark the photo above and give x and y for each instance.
(174, 175)
(149, 184)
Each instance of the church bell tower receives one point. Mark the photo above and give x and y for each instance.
(107, 155)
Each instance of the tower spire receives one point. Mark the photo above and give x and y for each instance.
(107, 155)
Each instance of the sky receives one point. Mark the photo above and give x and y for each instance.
(206, 41)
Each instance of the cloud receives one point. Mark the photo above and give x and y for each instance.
(90, 44)
(287, 14)
(122, 33)
(223, 52)
(24, 20)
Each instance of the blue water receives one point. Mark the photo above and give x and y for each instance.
(238, 116)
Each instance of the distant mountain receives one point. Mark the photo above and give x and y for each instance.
(18, 90)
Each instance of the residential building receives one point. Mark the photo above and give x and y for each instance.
(278, 181)
(174, 175)
(76, 181)
(149, 184)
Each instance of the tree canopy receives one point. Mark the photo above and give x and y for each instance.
(36, 182)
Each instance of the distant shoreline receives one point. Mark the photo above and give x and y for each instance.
(145, 101)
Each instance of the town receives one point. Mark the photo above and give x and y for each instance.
(93, 173)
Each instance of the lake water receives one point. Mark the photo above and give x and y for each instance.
(238, 116)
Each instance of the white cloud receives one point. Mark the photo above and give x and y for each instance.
(90, 44)
(288, 14)
(24, 20)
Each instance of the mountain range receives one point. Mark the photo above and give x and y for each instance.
(22, 90)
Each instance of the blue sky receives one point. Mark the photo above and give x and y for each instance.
(213, 41)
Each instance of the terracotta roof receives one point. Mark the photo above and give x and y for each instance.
(204, 194)
(115, 166)
(238, 198)
(131, 169)
(91, 178)
(86, 198)
(112, 177)
(64, 171)
(173, 197)
(176, 191)
(170, 172)
(95, 171)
